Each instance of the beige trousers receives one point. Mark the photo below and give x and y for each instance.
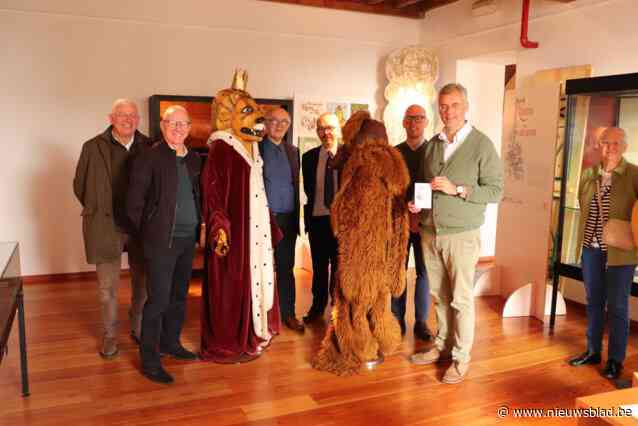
(108, 277)
(450, 261)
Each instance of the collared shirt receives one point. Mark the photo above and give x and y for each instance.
(459, 138)
(280, 189)
(319, 208)
(126, 145)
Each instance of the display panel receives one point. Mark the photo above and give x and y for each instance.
(592, 105)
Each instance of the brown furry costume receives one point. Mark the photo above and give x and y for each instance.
(370, 221)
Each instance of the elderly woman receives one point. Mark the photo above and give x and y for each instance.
(607, 191)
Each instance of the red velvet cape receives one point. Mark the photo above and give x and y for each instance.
(227, 326)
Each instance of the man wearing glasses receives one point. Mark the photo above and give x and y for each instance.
(413, 150)
(281, 179)
(100, 184)
(164, 205)
(320, 185)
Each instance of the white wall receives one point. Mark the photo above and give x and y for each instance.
(484, 82)
(602, 33)
(63, 63)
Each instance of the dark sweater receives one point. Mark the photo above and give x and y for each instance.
(186, 218)
(152, 195)
(414, 160)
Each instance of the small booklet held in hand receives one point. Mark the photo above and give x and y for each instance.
(423, 195)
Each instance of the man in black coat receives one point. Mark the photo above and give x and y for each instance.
(164, 206)
(320, 184)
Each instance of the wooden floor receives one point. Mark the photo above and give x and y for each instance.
(516, 363)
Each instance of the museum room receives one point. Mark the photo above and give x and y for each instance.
(179, 246)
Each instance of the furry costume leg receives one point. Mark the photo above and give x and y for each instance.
(385, 327)
(330, 356)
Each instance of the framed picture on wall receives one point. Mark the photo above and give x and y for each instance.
(199, 109)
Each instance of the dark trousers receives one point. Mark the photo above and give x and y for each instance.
(323, 249)
(168, 274)
(607, 286)
(421, 285)
(285, 263)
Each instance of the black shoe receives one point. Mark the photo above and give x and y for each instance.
(135, 338)
(312, 316)
(612, 369)
(402, 326)
(157, 374)
(180, 353)
(585, 358)
(294, 324)
(421, 331)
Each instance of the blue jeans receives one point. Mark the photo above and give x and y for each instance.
(609, 286)
(421, 286)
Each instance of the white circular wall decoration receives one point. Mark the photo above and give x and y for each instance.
(412, 73)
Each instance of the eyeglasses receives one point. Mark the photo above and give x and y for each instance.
(131, 116)
(326, 128)
(177, 124)
(276, 122)
(415, 118)
(610, 144)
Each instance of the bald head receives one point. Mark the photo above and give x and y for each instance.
(277, 124)
(415, 121)
(172, 110)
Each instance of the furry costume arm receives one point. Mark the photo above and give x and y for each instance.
(398, 184)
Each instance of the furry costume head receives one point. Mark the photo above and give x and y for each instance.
(236, 112)
(359, 130)
(366, 143)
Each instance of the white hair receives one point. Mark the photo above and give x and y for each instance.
(172, 109)
(615, 129)
(121, 102)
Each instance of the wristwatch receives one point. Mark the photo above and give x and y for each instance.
(460, 190)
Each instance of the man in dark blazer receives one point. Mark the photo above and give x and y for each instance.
(164, 206)
(281, 179)
(101, 184)
(320, 185)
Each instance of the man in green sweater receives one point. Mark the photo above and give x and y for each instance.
(466, 173)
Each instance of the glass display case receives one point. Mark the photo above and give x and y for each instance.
(11, 303)
(592, 105)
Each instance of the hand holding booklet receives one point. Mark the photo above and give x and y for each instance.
(423, 195)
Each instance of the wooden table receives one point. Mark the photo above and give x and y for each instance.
(12, 302)
(609, 400)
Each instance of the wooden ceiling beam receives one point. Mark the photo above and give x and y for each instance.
(405, 3)
(403, 8)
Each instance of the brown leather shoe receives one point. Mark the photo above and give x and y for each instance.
(456, 373)
(295, 325)
(428, 357)
(109, 348)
